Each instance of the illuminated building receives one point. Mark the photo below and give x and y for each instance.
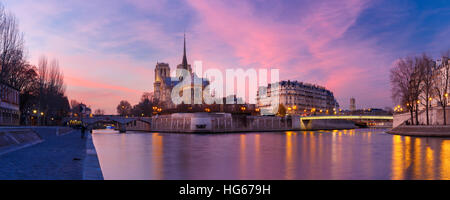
(299, 98)
(164, 83)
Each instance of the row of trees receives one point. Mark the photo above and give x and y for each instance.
(143, 108)
(42, 88)
(418, 81)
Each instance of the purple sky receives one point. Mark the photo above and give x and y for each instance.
(108, 48)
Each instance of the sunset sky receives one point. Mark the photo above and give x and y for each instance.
(108, 49)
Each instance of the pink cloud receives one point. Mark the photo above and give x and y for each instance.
(262, 41)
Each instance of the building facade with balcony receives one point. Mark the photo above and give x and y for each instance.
(9, 105)
(298, 98)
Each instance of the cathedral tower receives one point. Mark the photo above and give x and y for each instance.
(184, 63)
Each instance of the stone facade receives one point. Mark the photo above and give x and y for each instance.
(298, 97)
(9, 105)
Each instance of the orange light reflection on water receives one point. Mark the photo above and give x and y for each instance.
(415, 158)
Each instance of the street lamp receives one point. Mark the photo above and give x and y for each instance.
(34, 111)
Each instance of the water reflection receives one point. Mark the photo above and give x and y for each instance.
(343, 154)
(420, 158)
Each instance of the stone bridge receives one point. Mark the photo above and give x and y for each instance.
(360, 120)
(123, 123)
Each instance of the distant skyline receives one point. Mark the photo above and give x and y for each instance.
(108, 49)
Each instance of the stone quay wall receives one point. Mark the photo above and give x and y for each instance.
(422, 131)
(435, 115)
(223, 123)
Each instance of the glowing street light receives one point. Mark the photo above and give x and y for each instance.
(34, 111)
(42, 113)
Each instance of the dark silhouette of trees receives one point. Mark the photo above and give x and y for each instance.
(124, 108)
(11, 46)
(99, 112)
(52, 101)
(145, 107)
(417, 81)
(42, 88)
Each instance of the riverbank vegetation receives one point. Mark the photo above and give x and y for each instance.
(42, 88)
(418, 83)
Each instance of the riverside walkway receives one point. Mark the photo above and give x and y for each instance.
(56, 158)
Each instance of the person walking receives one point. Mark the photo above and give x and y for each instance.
(83, 131)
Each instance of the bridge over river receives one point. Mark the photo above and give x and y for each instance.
(222, 122)
(360, 120)
(121, 123)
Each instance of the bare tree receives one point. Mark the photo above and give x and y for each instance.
(99, 112)
(426, 67)
(415, 86)
(51, 101)
(441, 84)
(11, 44)
(402, 77)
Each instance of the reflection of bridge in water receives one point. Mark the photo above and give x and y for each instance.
(121, 123)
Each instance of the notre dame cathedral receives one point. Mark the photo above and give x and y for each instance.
(164, 83)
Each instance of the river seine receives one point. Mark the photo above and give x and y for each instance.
(322, 155)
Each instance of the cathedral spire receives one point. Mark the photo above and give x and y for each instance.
(184, 63)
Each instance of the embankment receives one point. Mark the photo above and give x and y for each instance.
(51, 153)
(12, 139)
(422, 131)
(91, 166)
